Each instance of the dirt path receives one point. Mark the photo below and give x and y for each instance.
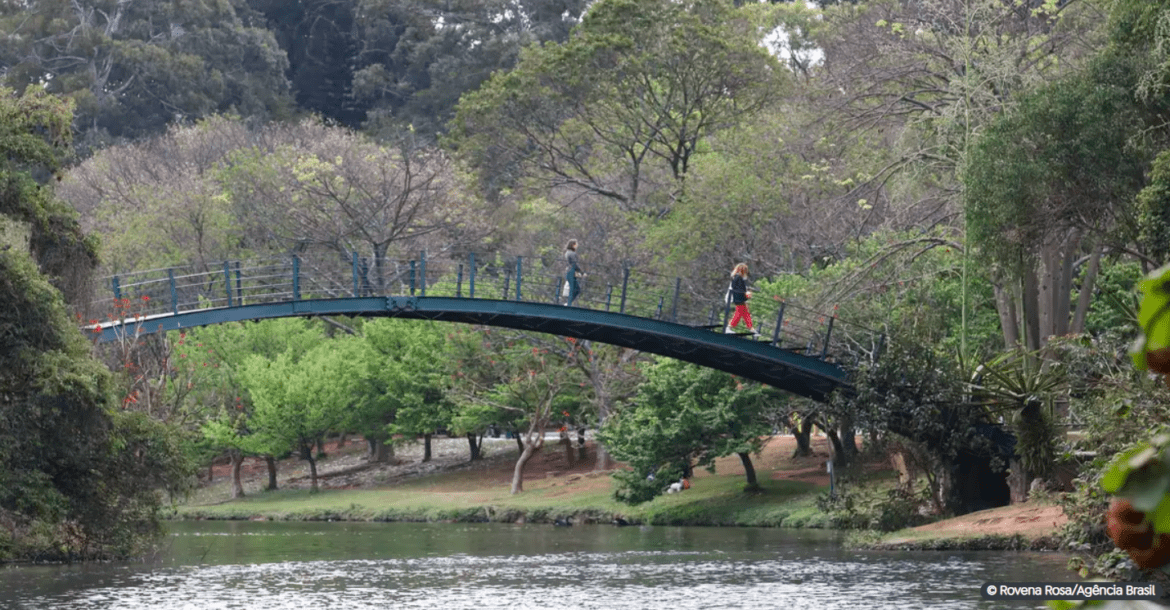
(1029, 520)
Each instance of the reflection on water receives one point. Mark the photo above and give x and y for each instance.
(336, 566)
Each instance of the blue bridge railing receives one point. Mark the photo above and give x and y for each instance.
(142, 295)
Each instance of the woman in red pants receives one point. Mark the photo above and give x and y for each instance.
(739, 298)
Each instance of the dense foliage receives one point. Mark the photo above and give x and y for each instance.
(682, 417)
(80, 479)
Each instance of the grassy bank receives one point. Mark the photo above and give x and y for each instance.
(552, 491)
(460, 491)
(717, 503)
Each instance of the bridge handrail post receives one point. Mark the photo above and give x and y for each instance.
(239, 286)
(413, 267)
(674, 307)
(296, 278)
(471, 277)
(117, 287)
(459, 282)
(518, 275)
(422, 273)
(174, 291)
(227, 281)
(828, 333)
(356, 291)
(779, 324)
(661, 302)
(625, 283)
(608, 297)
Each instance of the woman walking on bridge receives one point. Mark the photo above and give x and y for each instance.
(739, 297)
(573, 271)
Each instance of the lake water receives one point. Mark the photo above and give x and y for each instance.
(343, 566)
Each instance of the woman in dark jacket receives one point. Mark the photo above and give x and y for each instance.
(739, 298)
(573, 271)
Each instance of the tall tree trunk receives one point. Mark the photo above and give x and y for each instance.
(471, 442)
(426, 447)
(271, 462)
(1017, 481)
(1046, 291)
(534, 442)
(1031, 297)
(840, 455)
(1086, 291)
(341, 439)
(306, 450)
(1005, 305)
(519, 442)
(379, 451)
(568, 448)
(312, 474)
(802, 432)
(581, 454)
(603, 461)
(237, 485)
(848, 438)
(750, 472)
(602, 382)
(1063, 301)
(380, 267)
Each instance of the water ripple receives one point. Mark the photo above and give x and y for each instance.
(629, 580)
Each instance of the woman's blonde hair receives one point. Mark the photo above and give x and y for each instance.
(740, 269)
(572, 245)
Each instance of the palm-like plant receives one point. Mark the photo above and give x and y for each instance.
(1020, 388)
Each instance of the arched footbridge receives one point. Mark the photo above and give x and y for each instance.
(798, 350)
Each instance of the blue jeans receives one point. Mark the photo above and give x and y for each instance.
(574, 287)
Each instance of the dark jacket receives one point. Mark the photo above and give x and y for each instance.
(738, 290)
(572, 263)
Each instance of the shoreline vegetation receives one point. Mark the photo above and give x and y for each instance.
(449, 488)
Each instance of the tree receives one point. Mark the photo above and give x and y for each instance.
(939, 70)
(323, 188)
(1153, 211)
(156, 201)
(906, 87)
(402, 382)
(921, 395)
(1049, 184)
(318, 38)
(503, 377)
(619, 110)
(613, 375)
(132, 68)
(78, 478)
(683, 416)
(775, 193)
(531, 386)
(417, 58)
(298, 402)
(220, 353)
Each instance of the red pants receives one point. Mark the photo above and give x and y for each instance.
(741, 313)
